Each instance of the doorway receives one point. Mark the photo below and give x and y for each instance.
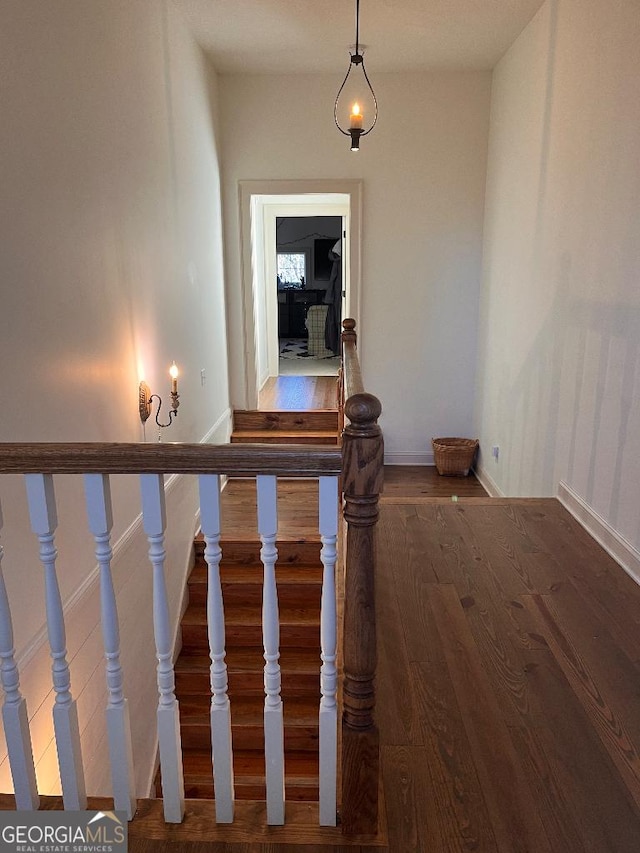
(309, 290)
(263, 204)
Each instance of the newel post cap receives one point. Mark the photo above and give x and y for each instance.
(363, 409)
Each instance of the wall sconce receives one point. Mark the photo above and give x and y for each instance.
(146, 397)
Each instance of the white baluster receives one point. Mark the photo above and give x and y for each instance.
(221, 749)
(14, 710)
(44, 521)
(328, 673)
(98, 501)
(273, 711)
(154, 520)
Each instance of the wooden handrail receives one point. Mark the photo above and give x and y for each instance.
(363, 473)
(243, 460)
(352, 375)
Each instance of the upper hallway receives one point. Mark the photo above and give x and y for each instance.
(499, 272)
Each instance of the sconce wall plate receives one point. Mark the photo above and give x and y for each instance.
(144, 400)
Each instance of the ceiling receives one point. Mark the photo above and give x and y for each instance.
(306, 36)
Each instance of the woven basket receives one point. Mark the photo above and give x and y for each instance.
(454, 456)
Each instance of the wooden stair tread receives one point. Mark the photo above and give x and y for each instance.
(249, 634)
(249, 711)
(242, 659)
(252, 684)
(278, 436)
(301, 775)
(285, 419)
(266, 434)
(286, 573)
(298, 586)
(301, 722)
(301, 767)
(299, 666)
(247, 615)
(247, 551)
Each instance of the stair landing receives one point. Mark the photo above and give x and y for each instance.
(299, 393)
(148, 832)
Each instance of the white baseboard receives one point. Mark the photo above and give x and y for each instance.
(220, 431)
(622, 551)
(407, 457)
(487, 483)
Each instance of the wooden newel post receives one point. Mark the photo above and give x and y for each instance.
(349, 331)
(362, 483)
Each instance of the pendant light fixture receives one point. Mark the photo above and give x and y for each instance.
(355, 108)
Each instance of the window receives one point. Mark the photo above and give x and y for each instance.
(292, 269)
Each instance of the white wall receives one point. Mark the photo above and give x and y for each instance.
(559, 373)
(423, 170)
(110, 268)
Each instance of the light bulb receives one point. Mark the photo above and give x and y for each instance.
(173, 373)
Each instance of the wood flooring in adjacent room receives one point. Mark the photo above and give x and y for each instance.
(299, 393)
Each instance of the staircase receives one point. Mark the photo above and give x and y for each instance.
(299, 582)
(350, 774)
(286, 427)
(299, 576)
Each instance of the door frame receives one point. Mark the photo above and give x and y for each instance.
(288, 195)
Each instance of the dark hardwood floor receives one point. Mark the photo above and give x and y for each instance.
(404, 483)
(508, 689)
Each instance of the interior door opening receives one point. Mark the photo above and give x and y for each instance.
(309, 288)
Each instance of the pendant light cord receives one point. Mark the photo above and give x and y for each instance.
(357, 26)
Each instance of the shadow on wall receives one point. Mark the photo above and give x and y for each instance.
(581, 372)
(567, 408)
